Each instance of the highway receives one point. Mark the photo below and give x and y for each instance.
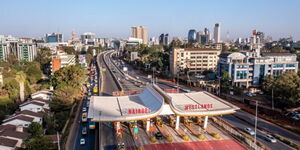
(236, 122)
(90, 137)
(106, 130)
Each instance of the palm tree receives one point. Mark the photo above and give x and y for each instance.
(21, 77)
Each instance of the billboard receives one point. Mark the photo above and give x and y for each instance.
(82, 60)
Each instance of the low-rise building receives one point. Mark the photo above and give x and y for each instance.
(196, 60)
(12, 132)
(61, 60)
(35, 106)
(43, 94)
(248, 69)
(20, 120)
(8, 144)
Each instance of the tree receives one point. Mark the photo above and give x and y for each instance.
(35, 129)
(225, 82)
(44, 58)
(69, 50)
(66, 94)
(39, 143)
(68, 76)
(268, 83)
(287, 90)
(21, 77)
(50, 124)
(33, 72)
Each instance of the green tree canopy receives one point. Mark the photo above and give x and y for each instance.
(72, 76)
(35, 129)
(39, 143)
(286, 89)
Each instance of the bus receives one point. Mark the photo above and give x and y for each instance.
(91, 125)
(95, 90)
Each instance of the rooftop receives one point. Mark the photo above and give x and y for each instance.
(8, 142)
(125, 108)
(19, 117)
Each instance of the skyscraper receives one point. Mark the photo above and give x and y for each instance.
(217, 33)
(192, 35)
(54, 38)
(164, 39)
(140, 32)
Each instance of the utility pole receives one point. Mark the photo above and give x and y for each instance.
(255, 125)
(272, 99)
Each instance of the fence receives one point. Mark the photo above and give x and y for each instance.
(240, 136)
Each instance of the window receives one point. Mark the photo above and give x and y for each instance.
(278, 66)
(241, 75)
(182, 54)
(290, 65)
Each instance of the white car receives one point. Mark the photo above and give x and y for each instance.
(270, 138)
(82, 141)
(84, 109)
(249, 131)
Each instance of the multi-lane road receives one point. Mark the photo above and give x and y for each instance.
(232, 119)
(111, 71)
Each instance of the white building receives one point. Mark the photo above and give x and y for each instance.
(43, 94)
(88, 38)
(217, 33)
(20, 120)
(4, 51)
(35, 106)
(26, 51)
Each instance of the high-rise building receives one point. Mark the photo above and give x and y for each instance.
(88, 38)
(54, 38)
(4, 51)
(140, 32)
(196, 60)
(164, 39)
(192, 35)
(217, 33)
(26, 51)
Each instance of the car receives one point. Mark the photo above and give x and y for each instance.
(249, 131)
(84, 109)
(158, 136)
(121, 146)
(82, 141)
(270, 138)
(84, 131)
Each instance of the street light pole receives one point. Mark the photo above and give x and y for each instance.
(272, 99)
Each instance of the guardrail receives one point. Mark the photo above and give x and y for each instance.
(100, 73)
(113, 75)
(239, 135)
(126, 75)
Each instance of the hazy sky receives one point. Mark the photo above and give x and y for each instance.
(113, 18)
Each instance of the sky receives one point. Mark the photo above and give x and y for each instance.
(113, 18)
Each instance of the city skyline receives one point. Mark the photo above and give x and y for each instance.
(115, 18)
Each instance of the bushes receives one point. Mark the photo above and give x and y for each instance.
(169, 138)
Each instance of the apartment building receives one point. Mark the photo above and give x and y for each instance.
(140, 32)
(196, 60)
(26, 51)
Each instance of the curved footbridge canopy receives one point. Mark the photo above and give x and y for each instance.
(152, 102)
